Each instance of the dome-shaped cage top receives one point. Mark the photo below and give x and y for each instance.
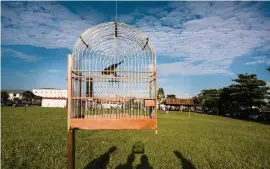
(110, 43)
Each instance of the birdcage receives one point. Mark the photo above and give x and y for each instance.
(112, 79)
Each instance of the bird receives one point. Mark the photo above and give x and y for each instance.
(111, 69)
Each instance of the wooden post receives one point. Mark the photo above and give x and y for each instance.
(71, 132)
(69, 88)
(80, 95)
(189, 112)
(71, 149)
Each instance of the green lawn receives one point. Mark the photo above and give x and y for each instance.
(38, 139)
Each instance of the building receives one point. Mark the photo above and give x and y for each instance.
(52, 97)
(54, 102)
(180, 103)
(50, 92)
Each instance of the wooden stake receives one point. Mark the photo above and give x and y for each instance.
(69, 87)
(80, 101)
(71, 149)
(189, 112)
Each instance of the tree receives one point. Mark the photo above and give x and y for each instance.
(224, 102)
(171, 96)
(160, 94)
(248, 91)
(209, 98)
(27, 97)
(37, 100)
(195, 102)
(4, 97)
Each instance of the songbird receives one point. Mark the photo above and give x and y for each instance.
(111, 69)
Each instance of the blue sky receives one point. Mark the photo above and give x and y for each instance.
(199, 45)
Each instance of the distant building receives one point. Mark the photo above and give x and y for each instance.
(51, 92)
(178, 102)
(181, 103)
(54, 102)
(52, 97)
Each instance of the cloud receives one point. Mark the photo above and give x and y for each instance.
(259, 60)
(44, 24)
(54, 70)
(20, 55)
(211, 34)
(214, 33)
(189, 68)
(125, 18)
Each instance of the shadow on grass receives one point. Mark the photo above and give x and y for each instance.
(186, 164)
(129, 162)
(138, 148)
(102, 161)
(144, 163)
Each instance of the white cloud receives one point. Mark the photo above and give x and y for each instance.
(259, 60)
(211, 33)
(43, 24)
(20, 55)
(188, 68)
(125, 18)
(219, 36)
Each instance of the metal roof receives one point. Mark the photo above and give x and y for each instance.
(172, 101)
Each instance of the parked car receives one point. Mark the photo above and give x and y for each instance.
(266, 116)
(212, 111)
(255, 114)
(19, 105)
(240, 113)
(256, 117)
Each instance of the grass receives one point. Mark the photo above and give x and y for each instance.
(38, 139)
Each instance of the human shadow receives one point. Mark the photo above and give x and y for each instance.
(144, 163)
(186, 164)
(128, 165)
(102, 161)
(137, 148)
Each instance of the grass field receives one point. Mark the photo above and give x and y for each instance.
(38, 139)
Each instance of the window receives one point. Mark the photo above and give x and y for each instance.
(14, 94)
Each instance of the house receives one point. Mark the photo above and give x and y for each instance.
(180, 103)
(52, 97)
(50, 92)
(54, 102)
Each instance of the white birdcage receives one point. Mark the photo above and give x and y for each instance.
(112, 79)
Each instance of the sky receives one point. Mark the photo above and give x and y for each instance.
(199, 45)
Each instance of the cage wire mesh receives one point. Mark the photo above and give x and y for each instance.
(113, 73)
